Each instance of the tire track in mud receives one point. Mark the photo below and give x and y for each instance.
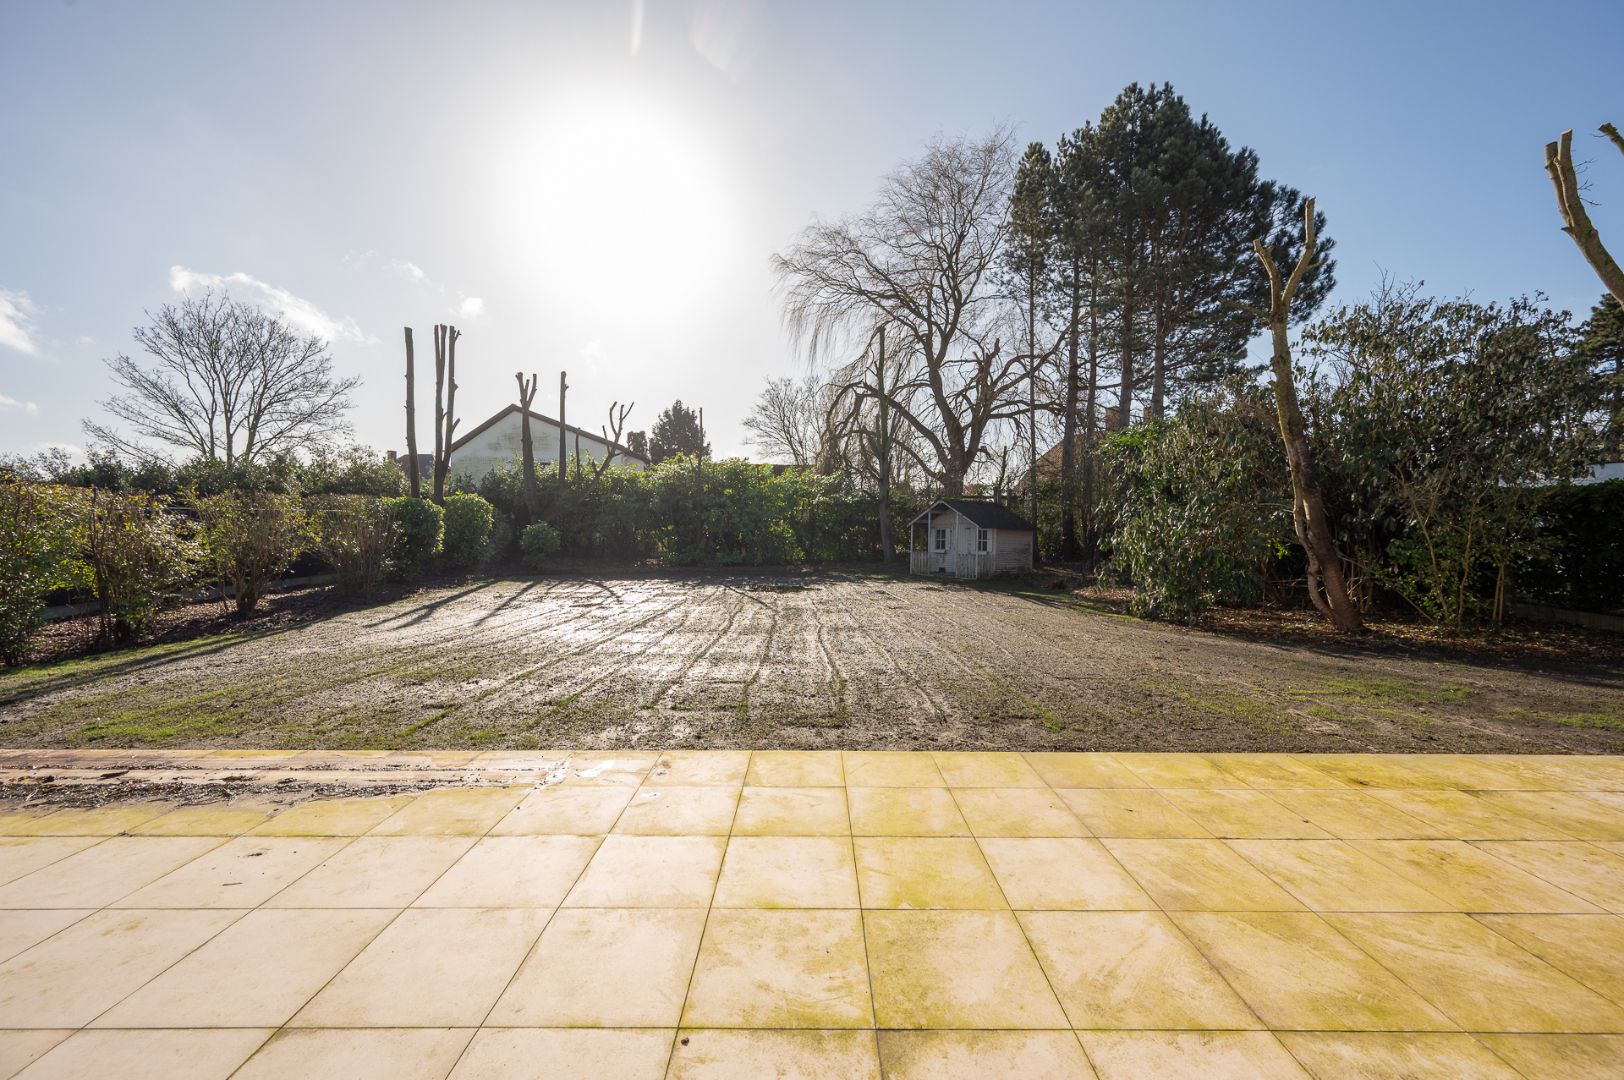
(904, 673)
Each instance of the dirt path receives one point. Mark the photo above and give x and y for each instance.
(833, 661)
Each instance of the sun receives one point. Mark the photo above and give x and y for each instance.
(618, 195)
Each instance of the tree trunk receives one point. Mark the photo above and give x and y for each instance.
(883, 444)
(450, 409)
(411, 421)
(1125, 403)
(1326, 587)
(1576, 219)
(1070, 551)
(439, 409)
(563, 447)
(527, 394)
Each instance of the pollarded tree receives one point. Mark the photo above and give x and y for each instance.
(227, 382)
(1575, 218)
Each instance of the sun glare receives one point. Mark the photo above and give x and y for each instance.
(618, 198)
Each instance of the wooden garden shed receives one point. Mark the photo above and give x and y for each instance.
(970, 538)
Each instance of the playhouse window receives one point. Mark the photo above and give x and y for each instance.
(941, 539)
(981, 539)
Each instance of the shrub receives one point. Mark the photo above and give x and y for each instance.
(355, 534)
(468, 523)
(419, 525)
(539, 541)
(36, 549)
(137, 555)
(249, 540)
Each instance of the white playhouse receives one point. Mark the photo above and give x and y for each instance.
(970, 538)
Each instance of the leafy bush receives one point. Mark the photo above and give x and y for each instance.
(419, 526)
(539, 542)
(250, 539)
(36, 550)
(137, 554)
(468, 523)
(1578, 558)
(355, 534)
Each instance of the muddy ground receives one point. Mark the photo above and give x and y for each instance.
(813, 661)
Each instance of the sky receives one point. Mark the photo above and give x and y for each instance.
(598, 187)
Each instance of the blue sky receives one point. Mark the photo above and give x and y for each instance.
(579, 187)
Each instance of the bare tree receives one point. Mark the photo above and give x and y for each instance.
(1326, 587)
(411, 419)
(789, 420)
(1576, 219)
(445, 404)
(228, 382)
(527, 394)
(920, 261)
(611, 437)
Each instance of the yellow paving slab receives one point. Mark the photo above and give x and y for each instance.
(742, 914)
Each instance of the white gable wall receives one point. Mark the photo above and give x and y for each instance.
(503, 442)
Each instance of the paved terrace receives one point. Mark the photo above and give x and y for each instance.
(814, 914)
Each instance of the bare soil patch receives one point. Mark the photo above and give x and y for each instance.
(810, 660)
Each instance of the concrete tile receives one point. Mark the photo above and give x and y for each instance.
(1130, 969)
(21, 855)
(782, 1055)
(513, 871)
(101, 875)
(1199, 875)
(149, 1055)
(452, 812)
(375, 871)
(972, 1055)
(1329, 875)
(1384, 1055)
(96, 821)
(1241, 813)
(1065, 770)
(240, 873)
(1468, 879)
(887, 768)
(19, 1048)
(467, 955)
(1017, 812)
(719, 768)
(376, 1054)
(788, 872)
(780, 969)
(1579, 1057)
(1179, 771)
(1589, 948)
(72, 978)
(605, 967)
(650, 871)
(905, 811)
(680, 811)
(1462, 772)
(1381, 772)
(1061, 874)
(1296, 972)
(1482, 980)
(1128, 812)
(956, 969)
(20, 822)
(21, 930)
(207, 819)
(1274, 771)
(1357, 815)
(568, 1053)
(924, 872)
(986, 769)
(1582, 869)
(792, 811)
(1211, 1055)
(1580, 816)
(333, 817)
(257, 972)
(609, 767)
(562, 809)
(1469, 817)
(795, 768)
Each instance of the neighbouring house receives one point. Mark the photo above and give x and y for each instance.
(970, 538)
(499, 441)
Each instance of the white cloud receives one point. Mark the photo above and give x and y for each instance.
(17, 313)
(299, 312)
(472, 307)
(11, 404)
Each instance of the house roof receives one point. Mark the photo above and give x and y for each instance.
(984, 514)
(503, 413)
